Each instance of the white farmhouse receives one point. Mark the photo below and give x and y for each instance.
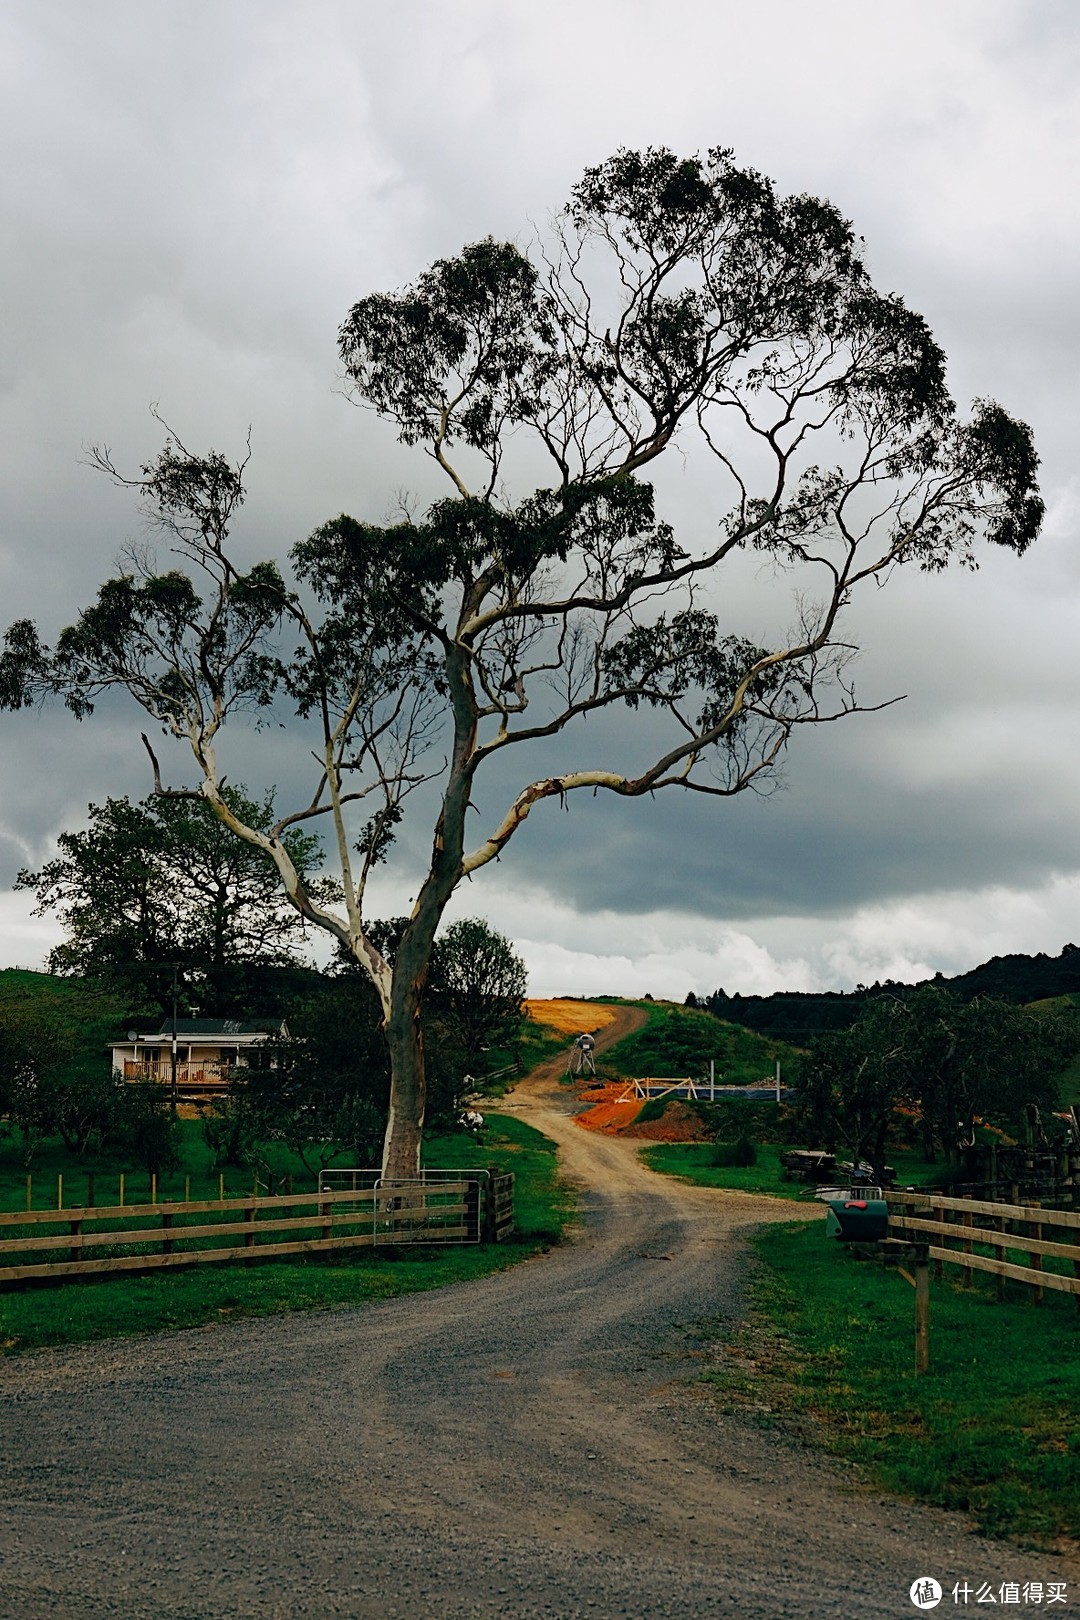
(208, 1050)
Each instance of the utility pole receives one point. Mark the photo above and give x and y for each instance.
(173, 1091)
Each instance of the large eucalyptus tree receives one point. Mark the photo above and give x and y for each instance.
(676, 303)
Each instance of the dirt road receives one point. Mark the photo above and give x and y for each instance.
(533, 1445)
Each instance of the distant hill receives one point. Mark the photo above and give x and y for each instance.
(679, 1043)
(797, 1016)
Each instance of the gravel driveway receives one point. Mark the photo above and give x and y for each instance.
(535, 1444)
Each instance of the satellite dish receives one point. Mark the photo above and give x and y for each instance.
(133, 1034)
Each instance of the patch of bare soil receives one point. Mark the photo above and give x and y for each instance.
(678, 1123)
(609, 1109)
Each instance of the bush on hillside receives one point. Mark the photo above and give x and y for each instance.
(740, 1153)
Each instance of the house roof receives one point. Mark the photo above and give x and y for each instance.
(231, 1027)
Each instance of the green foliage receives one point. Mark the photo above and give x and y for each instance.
(84, 1106)
(161, 885)
(952, 1061)
(232, 1128)
(798, 1016)
(740, 1154)
(24, 665)
(854, 1079)
(54, 1070)
(149, 1126)
(477, 987)
(678, 1043)
(987, 1431)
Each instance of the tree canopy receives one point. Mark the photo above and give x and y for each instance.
(163, 884)
(678, 302)
(947, 1061)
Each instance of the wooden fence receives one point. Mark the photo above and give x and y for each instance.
(498, 1207)
(145, 1237)
(960, 1231)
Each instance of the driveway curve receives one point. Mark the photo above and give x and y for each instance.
(533, 1445)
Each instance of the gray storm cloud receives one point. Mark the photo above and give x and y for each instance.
(193, 196)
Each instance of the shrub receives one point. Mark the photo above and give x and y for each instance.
(149, 1126)
(741, 1153)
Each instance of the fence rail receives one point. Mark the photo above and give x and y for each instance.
(981, 1224)
(463, 1207)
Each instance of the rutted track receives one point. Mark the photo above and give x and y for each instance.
(530, 1445)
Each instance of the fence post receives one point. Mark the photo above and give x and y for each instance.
(30, 1185)
(491, 1219)
(166, 1226)
(967, 1228)
(60, 1190)
(475, 1208)
(922, 1309)
(938, 1212)
(121, 1200)
(1003, 1228)
(1035, 1260)
(249, 1218)
(76, 1230)
(324, 1211)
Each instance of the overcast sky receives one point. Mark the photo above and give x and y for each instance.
(193, 194)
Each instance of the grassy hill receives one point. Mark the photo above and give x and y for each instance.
(679, 1042)
(84, 1014)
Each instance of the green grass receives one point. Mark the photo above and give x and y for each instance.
(38, 1314)
(991, 1430)
(51, 1159)
(536, 1043)
(692, 1162)
(677, 1042)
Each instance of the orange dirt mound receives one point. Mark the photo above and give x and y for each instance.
(677, 1123)
(606, 1112)
(570, 1017)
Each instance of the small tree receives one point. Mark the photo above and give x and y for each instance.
(149, 1126)
(151, 887)
(83, 1106)
(952, 1061)
(52, 1081)
(477, 987)
(679, 302)
(985, 1058)
(853, 1081)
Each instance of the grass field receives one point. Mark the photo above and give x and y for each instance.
(39, 1314)
(990, 1430)
(692, 1162)
(677, 1042)
(537, 1042)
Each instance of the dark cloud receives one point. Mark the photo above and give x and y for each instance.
(193, 196)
